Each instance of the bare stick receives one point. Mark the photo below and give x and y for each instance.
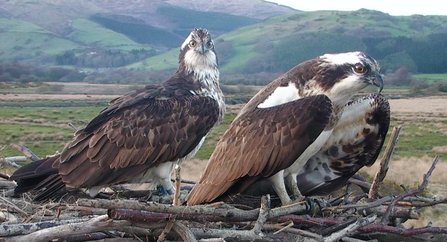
(401, 231)
(73, 127)
(372, 204)
(184, 232)
(288, 229)
(246, 235)
(359, 183)
(349, 239)
(424, 184)
(351, 229)
(177, 170)
(4, 176)
(11, 161)
(27, 152)
(381, 173)
(199, 211)
(176, 202)
(93, 225)
(427, 203)
(185, 181)
(167, 228)
(263, 214)
(220, 213)
(7, 184)
(26, 228)
(290, 225)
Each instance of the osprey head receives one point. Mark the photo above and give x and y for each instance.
(340, 76)
(197, 52)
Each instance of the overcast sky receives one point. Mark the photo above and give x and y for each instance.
(393, 7)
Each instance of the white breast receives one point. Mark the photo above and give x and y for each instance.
(308, 153)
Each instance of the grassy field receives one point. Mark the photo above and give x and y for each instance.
(36, 127)
(431, 77)
(44, 130)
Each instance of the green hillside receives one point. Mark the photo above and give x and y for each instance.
(23, 40)
(102, 39)
(216, 22)
(184, 21)
(91, 33)
(278, 43)
(137, 30)
(165, 61)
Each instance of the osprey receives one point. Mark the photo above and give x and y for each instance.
(140, 136)
(355, 142)
(284, 125)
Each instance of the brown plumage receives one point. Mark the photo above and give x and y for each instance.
(284, 124)
(140, 135)
(275, 133)
(355, 142)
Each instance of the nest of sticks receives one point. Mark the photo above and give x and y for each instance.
(128, 215)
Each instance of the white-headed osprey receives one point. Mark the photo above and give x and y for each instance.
(284, 125)
(355, 142)
(141, 135)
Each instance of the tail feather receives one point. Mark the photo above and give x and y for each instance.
(35, 175)
(51, 187)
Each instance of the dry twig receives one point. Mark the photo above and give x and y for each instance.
(424, 184)
(380, 175)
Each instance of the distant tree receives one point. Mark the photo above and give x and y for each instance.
(401, 77)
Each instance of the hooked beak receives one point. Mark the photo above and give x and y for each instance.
(378, 82)
(203, 49)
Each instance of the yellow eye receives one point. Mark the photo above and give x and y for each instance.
(359, 68)
(192, 43)
(210, 44)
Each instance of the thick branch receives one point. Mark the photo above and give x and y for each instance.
(7, 184)
(26, 228)
(263, 214)
(11, 161)
(27, 152)
(93, 225)
(402, 231)
(184, 232)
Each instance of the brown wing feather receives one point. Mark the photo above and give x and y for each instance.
(260, 143)
(357, 143)
(144, 134)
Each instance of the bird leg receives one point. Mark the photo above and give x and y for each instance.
(167, 184)
(277, 181)
(293, 185)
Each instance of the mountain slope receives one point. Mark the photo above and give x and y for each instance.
(280, 42)
(23, 40)
(102, 33)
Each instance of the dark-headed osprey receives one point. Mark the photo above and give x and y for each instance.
(141, 135)
(284, 125)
